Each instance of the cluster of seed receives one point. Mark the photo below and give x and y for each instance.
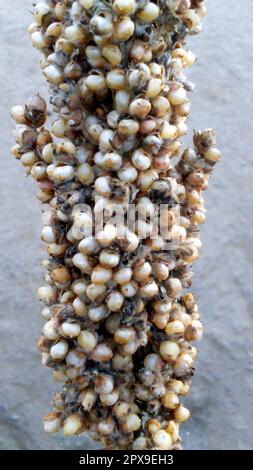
(119, 327)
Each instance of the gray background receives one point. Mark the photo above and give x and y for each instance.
(221, 399)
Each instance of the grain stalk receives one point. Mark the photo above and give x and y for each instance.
(119, 320)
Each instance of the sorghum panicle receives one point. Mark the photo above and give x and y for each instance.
(119, 325)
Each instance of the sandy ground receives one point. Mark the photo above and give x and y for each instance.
(221, 399)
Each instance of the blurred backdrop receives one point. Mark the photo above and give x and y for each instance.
(222, 389)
